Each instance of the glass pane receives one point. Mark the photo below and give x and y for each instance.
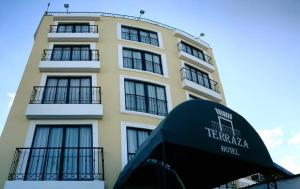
(130, 99)
(49, 91)
(86, 91)
(51, 171)
(74, 91)
(144, 37)
(71, 154)
(148, 61)
(66, 54)
(86, 154)
(161, 101)
(37, 157)
(61, 91)
(133, 35)
(140, 97)
(127, 58)
(137, 60)
(152, 102)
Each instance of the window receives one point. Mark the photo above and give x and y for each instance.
(193, 51)
(71, 53)
(135, 137)
(198, 77)
(73, 28)
(67, 90)
(145, 97)
(140, 35)
(61, 153)
(142, 60)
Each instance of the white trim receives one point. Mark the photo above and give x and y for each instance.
(122, 96)
(159, 35)
(124, 126)
(45, 75)
(92, 44)
(187, 95)
(72, 21)
(162, 56)
(15, 184)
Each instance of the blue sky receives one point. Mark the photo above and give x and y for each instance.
(256, 45)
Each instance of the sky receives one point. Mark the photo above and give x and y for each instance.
(256, 44)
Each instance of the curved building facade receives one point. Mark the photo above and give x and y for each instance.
(94, 87)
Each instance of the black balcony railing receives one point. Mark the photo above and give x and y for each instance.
(70, 55)
(200, 79)
(146, 104)
(201, 56)
(65, 95)
(73, 28)
(67, 163)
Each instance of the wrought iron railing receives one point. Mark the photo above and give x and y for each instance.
(70, 55)
(199, 78)
(73, 29)
(52, 163)
(105, 14)
(203, 57)
(146, 104)
(65, 95)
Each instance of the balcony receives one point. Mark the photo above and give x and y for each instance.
(191, 39)
(200, 84)
(74, 34)
(70, 61)
(56, 102)
(40, 167)
(204, 61)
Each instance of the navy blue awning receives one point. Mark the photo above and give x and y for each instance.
(199, 142)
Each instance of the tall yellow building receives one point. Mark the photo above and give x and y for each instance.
(94, 87)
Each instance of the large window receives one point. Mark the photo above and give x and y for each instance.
(73, 28)
(135, 137)
(142, 60)
(61, 153)
(198, 76)
(140, 35)
(145, 97)
(192, 51)
(68, 90)
(71, 53)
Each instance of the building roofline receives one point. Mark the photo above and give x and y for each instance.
(105, 14)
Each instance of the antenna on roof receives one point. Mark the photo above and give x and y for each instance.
(201, 35)
(48, 7)
(141, 12)
(67, 7)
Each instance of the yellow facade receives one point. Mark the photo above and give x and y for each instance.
(16, 128)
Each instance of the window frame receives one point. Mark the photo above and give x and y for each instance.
(136, 129)
(69, 78)
(61, 156)
(139, 36)
(73, 27)
(146, 96)
(143, 60)
(72, 47)
(192, 49)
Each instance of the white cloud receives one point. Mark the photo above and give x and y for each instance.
(291, 163)
(272, 137)
(295, 139)
(11, 98)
